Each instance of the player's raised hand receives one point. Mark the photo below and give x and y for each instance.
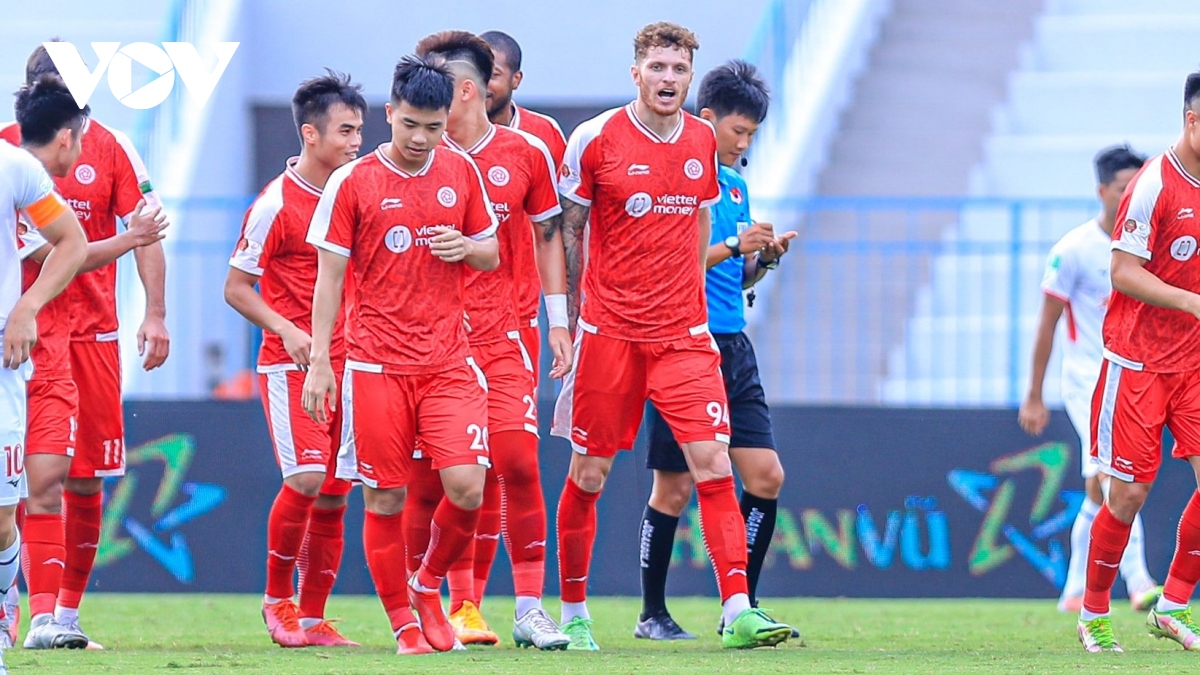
(448, 244)
(564, 354)
(147, 228)
(320, 386)
(153, 342)
(20, 334)
(1033, 416)
(297, 343)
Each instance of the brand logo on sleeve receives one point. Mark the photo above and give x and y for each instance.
(1130, 225)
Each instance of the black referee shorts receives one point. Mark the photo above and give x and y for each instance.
(749, 416)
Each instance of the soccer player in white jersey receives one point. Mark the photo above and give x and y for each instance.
(25, 186)
(1077, 283)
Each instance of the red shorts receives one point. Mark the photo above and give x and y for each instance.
(531, 339)
(1129, 409)
(100, 442)
(383, 413)
(301, 445)
(53, 405)
(511, 392)
(600, 406)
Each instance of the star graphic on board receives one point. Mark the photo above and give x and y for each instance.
(993, 494)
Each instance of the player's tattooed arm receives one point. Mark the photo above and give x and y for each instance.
(574, 224)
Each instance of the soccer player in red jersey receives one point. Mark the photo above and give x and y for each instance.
(25, 186)
(645, 173)
(410, 220)
(107, 183)
(48, 125)
(305, 526)
(520, 180)
(1150, 378)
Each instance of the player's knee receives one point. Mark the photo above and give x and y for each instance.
(766, 481)
(84, 486)
(589, 478)
(709, 461)
(671, 492)
(8, 526)
(1126, 499)
(307, 483)
(330, 502)
(44, 499)
(385, 502)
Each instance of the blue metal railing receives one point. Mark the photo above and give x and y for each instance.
(842, 321)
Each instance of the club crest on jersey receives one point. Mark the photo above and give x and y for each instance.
(390, 203)
(85, 174)
(735, 195)
(693, 169)
(498, 176)
(639, 204)
(398, 239)
(447, 197)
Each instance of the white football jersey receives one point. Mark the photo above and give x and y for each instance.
(24, 186)
(1077, 273)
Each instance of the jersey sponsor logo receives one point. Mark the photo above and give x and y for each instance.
(693, 169)
(81, 207)
(1183, 248)
(639, 204)
(498, 176)
(638, 170)
(447, 197)
(85, 174)
(390, 203)
(1185, 212)
(564, 171)
(735, 195)
(398, 239)
(502, 211)
(249, 247)
(1130, 225)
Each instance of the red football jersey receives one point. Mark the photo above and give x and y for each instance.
(405, 305)
(519, 178)
(645, 194)
(1159, 220)
(51, 355)
(273, 247)
(106, 183)
(529, 284)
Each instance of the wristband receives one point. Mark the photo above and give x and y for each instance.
(556, 310)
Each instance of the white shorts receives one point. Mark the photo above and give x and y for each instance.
(12, 433)
(1079, 411)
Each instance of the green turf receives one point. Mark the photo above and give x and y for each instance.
(162, 634)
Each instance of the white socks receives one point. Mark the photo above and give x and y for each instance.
(736, 604)
(525, 603)
(574, 610)
(10, 562)
(1081, 533)
(1133, 561)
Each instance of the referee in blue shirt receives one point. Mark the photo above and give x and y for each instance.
(734, 99)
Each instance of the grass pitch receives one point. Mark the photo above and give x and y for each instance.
(208, 633)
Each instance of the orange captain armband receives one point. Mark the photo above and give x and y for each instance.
(45, 210)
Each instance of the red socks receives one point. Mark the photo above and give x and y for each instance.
(320, 558)
(1105, 548)
(576, 534)
(1185, 566)
(487, 533)
(83, 514)
(425, 492)
(724, 532)
(514, 454)
(383, 542)
(44, 535)
(286, 527)
(452, 530)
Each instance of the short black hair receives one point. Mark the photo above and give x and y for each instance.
(734, 87)
(1191, 90)
(423, 82)
(505, 44)
(1111, 161)
(45, 108)
(459, 45)
(314, 98)
(39, 63)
